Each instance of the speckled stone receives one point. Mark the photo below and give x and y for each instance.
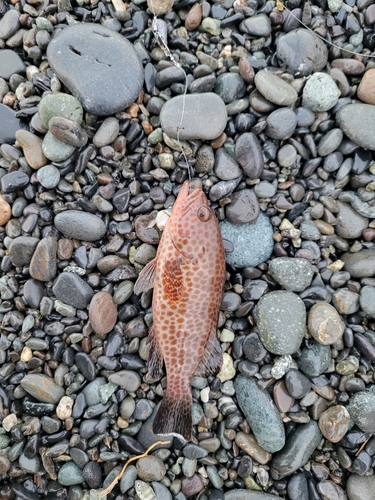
(253, 243)
(357, 121)
(320, 92)
(70, 474)
(325, 324)
(293, 274)
(314, 360)
(261, 413)
(362, 410)
(281, 319)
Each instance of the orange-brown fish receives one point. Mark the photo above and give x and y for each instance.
(188, 275)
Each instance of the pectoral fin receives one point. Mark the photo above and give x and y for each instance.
(173, 280)
(146, 277)
(155, 359)
(212, 358)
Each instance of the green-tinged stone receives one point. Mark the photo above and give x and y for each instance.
(211, 25)
(56, 150)
(106, 391)
(249, 495)
(70, 474)
(64, 309)
(293, 274)
(261, 413)
(4, 441)
(297, 451)
(155, 136)
(123, 292)
(60, 104)
(362, 410)
(28, 323)
(348, 366)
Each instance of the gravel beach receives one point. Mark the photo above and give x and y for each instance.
(273, 106)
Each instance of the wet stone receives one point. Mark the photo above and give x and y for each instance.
(301, 52)
(314, 360)
(33, 292)
(127, 379)
(48, 176)
(299, 446)
(14, 181)
(31, 465)
(261, 413)
(7, 115)
(253, 243)
(324, 324)
(72, 290)
(258, 26)
(293, 274)
(70, 474)
(249, 155)
(10, 62)
(334, 423)
(362, 410)
(67, 131)
(85, 48)
(102, 313)
(243, 208)
(205, 117)
(281, 319)
(42, 388)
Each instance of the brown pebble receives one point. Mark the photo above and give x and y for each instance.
(69, 423)
(4, 465)
(147, 127)
(366, 89)
(86, 345)
(5, 211)
(368, 233)
(159, 7)
(325, 324)
(219, 141)
(102, 313)
(132, 110)
(246, 70)
(349, 66)
(65, 249)
(334, 423)
(192, 485)
(32, 148)
(194, 17)
(283, 399)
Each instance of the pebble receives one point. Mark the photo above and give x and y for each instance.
(258, 26)
(362, 410)
(293, 274)
(80, 225)
(64, 408)
(60, 105)
(230, 87)
(356, 121)
(324, 324)
(43, 265)
(301, 53)
(10, 62)
(334, 423)
(128, 478)
(226, 167)
(261, 413)
(320, 92)
(367, 300)
(349, 223)
(299, 446)
(248, 495)
(281, 319)
(70, 474)
(32, 148)
(67, 131)
(249, 444)
(5, 465)
(346, 301)
(92, 474)
(42, 388)
(48, 176)
(8, 116)
(127, 379)
(297, 384)
(275, 89)
(72, 290)
(107, 132)
(5, 211)
(243, 208)
(205, 116)
(360, 264)
(84, 48)
(56, 150)
(253, 243)
(150, 468)
(9, 24)
(366, 88)
(281, 123)
(360, 488)
(102, 313)
(249, 155)
(314, 360)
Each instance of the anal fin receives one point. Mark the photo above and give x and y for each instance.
(212, 358)
(155, 359)
(146, 277)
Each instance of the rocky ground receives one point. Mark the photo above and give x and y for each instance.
(279, 125)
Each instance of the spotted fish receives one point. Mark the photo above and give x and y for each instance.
(188, 275)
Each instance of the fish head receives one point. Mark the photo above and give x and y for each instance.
(192, 220)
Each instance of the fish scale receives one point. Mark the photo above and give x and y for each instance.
(188, 275)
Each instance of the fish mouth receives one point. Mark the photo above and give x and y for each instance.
(192, 198)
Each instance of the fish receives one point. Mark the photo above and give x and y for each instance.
(188, 276)
(144, 490)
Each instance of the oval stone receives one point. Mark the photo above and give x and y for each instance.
(362, 410)
(98, 65)
(281, 319)
(80, 225)
(325, 324)
(204, 117)
(357, 122)
(102, 313)
(42, 388)
(334, 423)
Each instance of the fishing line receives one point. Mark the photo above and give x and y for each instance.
(282, 6)
(163, 44)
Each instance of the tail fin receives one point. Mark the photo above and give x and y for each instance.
(174, 415)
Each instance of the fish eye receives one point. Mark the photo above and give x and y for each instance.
(204, 214)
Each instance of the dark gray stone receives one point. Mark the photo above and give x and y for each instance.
(10, 63)
(80, 225)
(72, 290)
(99, 66)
